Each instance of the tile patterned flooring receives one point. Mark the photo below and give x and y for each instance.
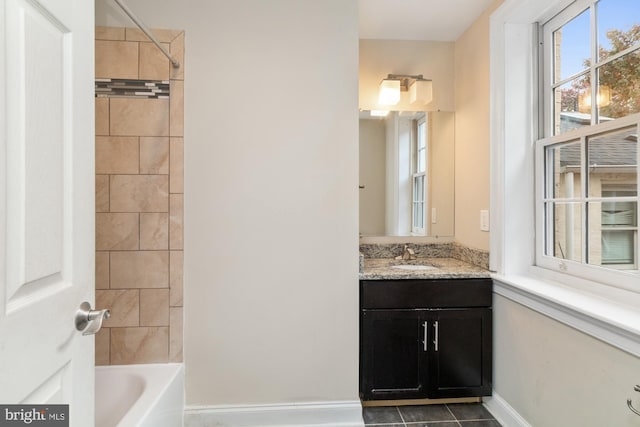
(450, 415)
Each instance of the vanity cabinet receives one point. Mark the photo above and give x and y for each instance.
(428, 338)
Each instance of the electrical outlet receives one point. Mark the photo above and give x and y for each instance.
(433, 215)
(484, 220)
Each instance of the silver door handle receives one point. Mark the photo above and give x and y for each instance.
(435, 340)
(424, 339)
(89, 321)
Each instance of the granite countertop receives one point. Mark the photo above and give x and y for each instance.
(445, 268)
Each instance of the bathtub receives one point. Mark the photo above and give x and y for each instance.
(140, 395)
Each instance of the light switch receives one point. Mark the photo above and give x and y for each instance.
(433, 215)
(484, 220)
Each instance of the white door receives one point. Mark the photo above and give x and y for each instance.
(46, 203)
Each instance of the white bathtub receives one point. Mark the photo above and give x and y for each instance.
(140, 395)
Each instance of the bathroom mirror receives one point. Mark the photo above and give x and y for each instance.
(407, 174)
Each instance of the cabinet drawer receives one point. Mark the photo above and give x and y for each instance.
(431, 293)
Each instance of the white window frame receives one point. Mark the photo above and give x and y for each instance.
(619, 278)
(606, 275)
(604, 312)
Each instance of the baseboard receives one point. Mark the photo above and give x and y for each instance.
(408, 402)
(503, 412)
(307, 414)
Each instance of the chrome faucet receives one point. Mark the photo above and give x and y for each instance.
(407, 255)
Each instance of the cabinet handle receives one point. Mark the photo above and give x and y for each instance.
(435, 340)
(424, 340)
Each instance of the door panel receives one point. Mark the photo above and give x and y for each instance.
(52, 389)
(392, 354)
(46, 203)
(460, 343)
(35, 150)
(460, 364)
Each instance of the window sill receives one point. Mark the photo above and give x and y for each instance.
(612, 317)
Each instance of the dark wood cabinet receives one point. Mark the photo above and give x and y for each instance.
(417, 341)
(460, 359)
(392, 367)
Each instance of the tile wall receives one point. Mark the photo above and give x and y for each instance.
(139, 201)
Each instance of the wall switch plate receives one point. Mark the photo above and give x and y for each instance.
(433, 215)
(484, 220)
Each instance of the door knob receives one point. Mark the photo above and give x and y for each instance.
(89, 321)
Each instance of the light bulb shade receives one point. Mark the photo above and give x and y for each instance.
(603, 98)
(389, 92)
(420, 91)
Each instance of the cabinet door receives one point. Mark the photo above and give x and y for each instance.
(460, 353)
(392, 354)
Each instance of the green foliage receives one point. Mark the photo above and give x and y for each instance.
(621, 77)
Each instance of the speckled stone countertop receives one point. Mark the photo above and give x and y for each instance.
(445, 268)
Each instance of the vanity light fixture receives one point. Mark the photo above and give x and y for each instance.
(419, 88)
(420, 91)
(389, 93)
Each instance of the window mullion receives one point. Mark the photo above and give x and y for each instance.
(547, 221)
(637, 236)
(618, 55)
(548, 96)
(566, 80)
(594, 60)
(584, 170)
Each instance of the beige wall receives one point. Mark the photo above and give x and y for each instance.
(554, 375)
(139, 202)
(472, 131)
(271, 207)
(434, 60)
(442, 173)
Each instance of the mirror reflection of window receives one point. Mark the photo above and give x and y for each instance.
(407, 174)
(419, 177)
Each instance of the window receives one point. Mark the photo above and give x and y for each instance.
(597, 300)
(619, 228)
(587, 165)
(592, 52)
(419, 177)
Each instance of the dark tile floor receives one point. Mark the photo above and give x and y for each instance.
(451, 415)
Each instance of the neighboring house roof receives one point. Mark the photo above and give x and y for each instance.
(614, 149)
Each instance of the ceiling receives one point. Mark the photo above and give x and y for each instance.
(436, 20)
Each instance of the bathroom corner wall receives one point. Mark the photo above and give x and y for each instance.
(472, 161)
(139, 201)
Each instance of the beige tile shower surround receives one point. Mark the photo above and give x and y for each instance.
(139, 201)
